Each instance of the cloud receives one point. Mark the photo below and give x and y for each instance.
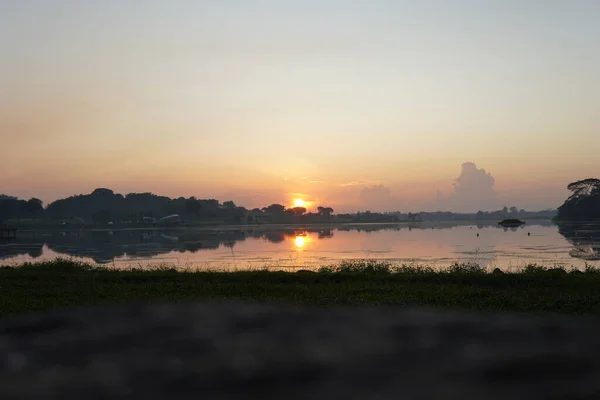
(474, 181)
(473, 191)
(353, 183)
(378, 198)
(359, 183)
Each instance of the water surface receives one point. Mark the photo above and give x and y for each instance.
(310, 247)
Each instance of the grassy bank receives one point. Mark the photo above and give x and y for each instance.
(61, 283)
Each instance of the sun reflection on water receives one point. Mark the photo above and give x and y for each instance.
(300, 241)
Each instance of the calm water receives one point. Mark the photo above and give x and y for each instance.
(259, 247)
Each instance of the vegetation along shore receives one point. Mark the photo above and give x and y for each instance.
(64, 283)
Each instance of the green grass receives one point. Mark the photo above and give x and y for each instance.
(62, 283)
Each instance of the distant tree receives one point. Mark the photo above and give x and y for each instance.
(193, 207)
(35, 208)
(136, 206)
(414, 217)
(36, 201)
(514, 210)
(209, 204)
(275, 209)
(102, 217)
(9, 209)
(229, 205)
(86, 206)
(210, 209)
(325, 211)
(298, 211)
(102, 192)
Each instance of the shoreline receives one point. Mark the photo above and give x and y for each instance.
(64, 284)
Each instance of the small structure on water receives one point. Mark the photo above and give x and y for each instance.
(511, 223)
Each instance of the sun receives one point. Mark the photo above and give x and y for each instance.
(299, 203)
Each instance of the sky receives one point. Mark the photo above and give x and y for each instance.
(459, 105)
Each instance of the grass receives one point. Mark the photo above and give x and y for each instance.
(64, 283)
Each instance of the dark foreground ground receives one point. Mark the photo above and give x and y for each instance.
(59, 284)
(233, 351)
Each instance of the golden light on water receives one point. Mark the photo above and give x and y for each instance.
(300, 241)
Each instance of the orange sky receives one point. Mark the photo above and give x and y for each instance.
(373, 105)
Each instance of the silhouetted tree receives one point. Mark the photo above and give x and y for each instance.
(274, 209)
(583, 188)
(584, 202)
(102, 217)
(414, 217)
(325, 211)
(229, 205)
(193, 207)
(12, 208)
(9, 209)
(298, 211)
(87, 206)
(35, 208)
(102, 192)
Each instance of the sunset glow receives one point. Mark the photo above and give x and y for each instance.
(361, 105)
(299, 203)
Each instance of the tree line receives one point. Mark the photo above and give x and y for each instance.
(13, 208)
(103, 206)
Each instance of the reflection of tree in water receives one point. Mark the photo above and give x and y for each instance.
(105, 246)
(584, 238)
(275, 237)
(513, 228)
(325, 234)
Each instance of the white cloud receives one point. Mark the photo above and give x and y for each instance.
(473, 191)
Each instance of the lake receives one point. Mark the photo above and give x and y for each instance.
(285, 247)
